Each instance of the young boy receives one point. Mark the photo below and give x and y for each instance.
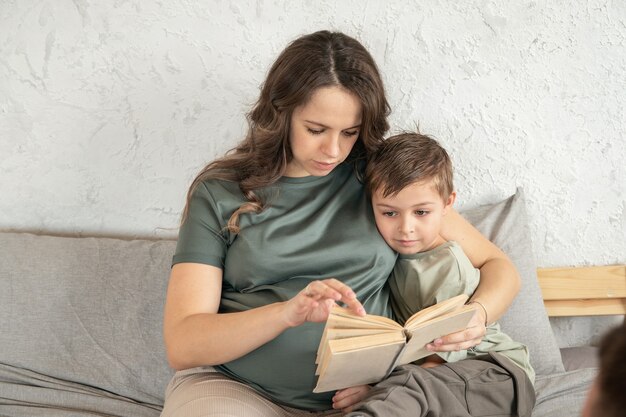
(410, 182)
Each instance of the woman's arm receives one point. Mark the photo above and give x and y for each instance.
(499, 281)
(196, 334)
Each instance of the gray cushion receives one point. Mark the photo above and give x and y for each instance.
(563, 394)
(26, 393)
(505, 224)
(86, 310)
(580, 357)
(89, 310)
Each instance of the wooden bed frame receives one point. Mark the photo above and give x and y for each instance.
(584, 291)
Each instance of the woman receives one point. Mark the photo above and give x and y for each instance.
(279, 229)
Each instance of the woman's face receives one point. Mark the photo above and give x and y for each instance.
(323, 132)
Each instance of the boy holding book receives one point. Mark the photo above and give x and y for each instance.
(410, 182)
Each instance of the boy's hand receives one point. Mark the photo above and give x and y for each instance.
(464, 339)
(347, 398)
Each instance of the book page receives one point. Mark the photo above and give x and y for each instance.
(436, 310)
(355, 335)
(427, 332)
(345, 318)
(342, 318)
(357, 367)
(333, 334)
(331, 322)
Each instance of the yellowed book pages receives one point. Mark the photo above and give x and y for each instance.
(436, 310)
(344, 368)
(343, 318)
(352, 344)
(425, 333)
(357, 350)
(333, 334)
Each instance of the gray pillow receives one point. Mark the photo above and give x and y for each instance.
(86, 311)
(505, 224)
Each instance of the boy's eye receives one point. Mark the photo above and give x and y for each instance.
(421, 212)
(389, 213)
(315, 131)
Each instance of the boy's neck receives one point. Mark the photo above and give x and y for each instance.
(436, 243)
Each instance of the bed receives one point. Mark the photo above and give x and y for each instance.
(80, 327)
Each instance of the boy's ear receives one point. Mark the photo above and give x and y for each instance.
(449, 202)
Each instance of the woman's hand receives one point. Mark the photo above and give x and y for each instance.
(314, 302)
(347, 398)
(464, 339)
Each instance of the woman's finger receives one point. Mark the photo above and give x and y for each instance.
(319, 289)
(345, 291)
(348, 297)
(336, 290)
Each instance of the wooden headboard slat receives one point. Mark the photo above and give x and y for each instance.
(560, 308)
(583, 291)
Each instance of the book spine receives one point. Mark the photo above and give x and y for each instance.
(396, 359)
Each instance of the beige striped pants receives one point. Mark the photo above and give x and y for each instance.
(204, 392)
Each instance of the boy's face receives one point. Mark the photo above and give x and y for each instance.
(410, 221)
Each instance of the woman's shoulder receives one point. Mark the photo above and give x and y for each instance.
(218, 188)
(216, 196)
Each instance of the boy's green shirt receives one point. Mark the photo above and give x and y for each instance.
(426, 278)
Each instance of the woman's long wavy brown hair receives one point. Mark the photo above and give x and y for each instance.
(320, 59)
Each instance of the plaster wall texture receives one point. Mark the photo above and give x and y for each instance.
(108, 109)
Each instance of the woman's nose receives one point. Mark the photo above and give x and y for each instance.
(330, 146)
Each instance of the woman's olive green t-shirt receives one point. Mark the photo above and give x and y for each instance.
(313, 228)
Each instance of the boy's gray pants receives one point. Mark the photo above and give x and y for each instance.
(487, 385)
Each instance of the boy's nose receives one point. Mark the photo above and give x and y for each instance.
(406, 226)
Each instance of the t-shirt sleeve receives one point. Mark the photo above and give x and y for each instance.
(469, 276)
(202, 237)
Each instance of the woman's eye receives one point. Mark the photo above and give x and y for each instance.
(389, 213)
(351, 133)
(314, 131)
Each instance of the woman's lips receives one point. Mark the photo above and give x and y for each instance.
(325, 166)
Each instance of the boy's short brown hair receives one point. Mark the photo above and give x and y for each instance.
(408, 158)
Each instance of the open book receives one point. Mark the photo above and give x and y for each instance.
(357, 350)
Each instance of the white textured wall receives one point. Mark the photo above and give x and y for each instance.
(107, 109)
